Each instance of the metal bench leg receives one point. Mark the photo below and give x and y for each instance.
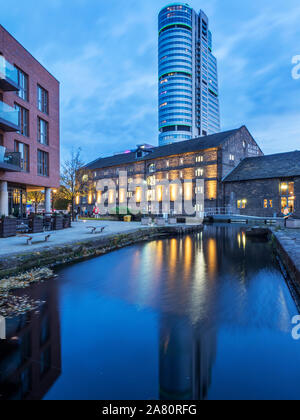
(29, 241)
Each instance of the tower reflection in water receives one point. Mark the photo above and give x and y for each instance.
(30, 357)
(188, 338)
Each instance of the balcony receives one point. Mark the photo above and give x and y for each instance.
(9, 161)
(9, 118)
(8, 76)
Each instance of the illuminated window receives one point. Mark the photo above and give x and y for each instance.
(138, 194)
(287, 188)
(231, 158)
(199, 172)
(188, 191)
(173, 192)
(152, 168)
(241, 204)
(181, 161)
(268, 204)
(159, 192)
(151, 180)
(168, 163)
(199, 159)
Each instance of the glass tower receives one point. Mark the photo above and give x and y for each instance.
(188, 76)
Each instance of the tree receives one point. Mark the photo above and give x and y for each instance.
(37, 197)
(60, 202)
(74, 178)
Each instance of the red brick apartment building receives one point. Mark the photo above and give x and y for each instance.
(29, 127)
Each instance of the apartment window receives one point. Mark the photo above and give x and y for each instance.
(23, 120)
(43, 163)
(43, 132)
(42, 100)
(199, 172)
(23, 85)
(23, 149)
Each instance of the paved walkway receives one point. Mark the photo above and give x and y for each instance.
(78, 232)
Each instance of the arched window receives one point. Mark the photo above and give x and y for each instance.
(152, 168)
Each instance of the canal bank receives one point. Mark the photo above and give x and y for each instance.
(55, 253)
(287, 245)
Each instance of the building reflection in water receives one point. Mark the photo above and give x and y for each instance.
(187, 355)
(188, 342)
(30, 357)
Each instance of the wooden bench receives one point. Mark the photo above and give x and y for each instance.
(30, 238)
(94, 230)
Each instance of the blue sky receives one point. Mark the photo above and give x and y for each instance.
(105, 55)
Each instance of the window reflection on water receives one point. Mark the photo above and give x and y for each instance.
(203, 316)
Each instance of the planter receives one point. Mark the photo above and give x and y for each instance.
(36, 225)
(67, 222)
(58, 223)
(8, 227)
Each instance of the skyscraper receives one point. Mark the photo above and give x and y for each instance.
(188, 77)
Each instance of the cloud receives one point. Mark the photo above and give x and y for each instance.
(105, 56)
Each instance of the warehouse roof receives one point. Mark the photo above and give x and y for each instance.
(187, 146)
(281, 165)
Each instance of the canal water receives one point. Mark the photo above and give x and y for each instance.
(206, 316)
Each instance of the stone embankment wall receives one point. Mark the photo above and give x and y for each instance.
(57, 255)
(287, 245)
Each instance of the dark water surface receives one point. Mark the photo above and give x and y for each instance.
(199, 317)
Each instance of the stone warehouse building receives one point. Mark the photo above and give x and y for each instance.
(29, 127)
(265, 186)
(208, 158)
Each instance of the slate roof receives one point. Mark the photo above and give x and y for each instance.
(281, 165)
(187, 146)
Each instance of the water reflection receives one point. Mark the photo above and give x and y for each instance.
(30, 357)
(186, 359)
(205, 316)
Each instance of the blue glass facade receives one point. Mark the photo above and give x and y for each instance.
(188, 83)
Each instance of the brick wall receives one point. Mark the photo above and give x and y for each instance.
(256, 191)
(17, 55)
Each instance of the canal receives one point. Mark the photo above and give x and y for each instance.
(206, 316)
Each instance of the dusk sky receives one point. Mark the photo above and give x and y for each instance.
(104, 53)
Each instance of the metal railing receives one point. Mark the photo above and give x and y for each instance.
(214, 211)
(11, 158)
(7, 70)
(7, 113)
